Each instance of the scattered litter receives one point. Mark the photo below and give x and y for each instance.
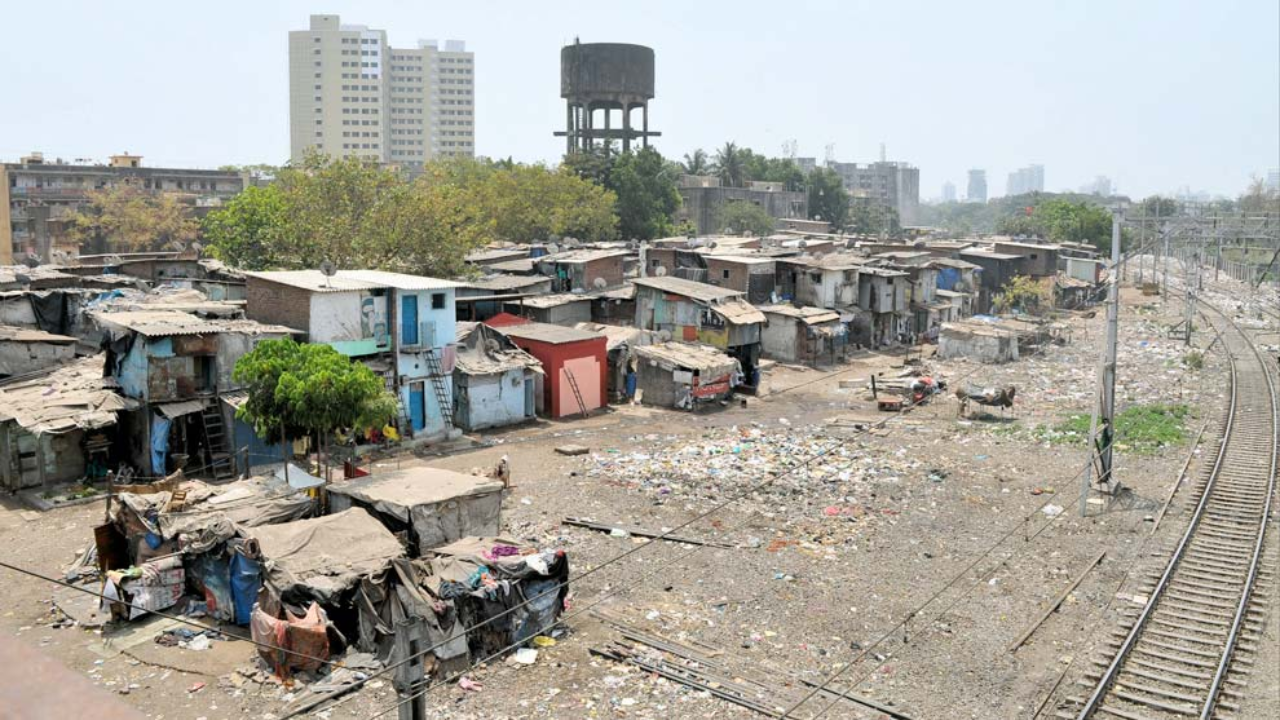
(526, 656)
(470, 685)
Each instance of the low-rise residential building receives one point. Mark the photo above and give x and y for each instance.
(179, 368)
(60, 425)
(830, 281)
(25, 350)
(574, 365)
(703, 197)
(997, 269)
(493, 379)
(808, 335)
(556, 309)
(682, 375)
(586, 270)
(885, 317)
(38, 197)
(700, 313)
(401, 326)
(1034, 260)
(482, 298)
(749, 274)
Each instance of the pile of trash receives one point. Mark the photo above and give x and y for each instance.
(804, 462)
(188, 639)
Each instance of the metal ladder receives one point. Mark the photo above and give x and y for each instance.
(221, 464)
(437, 384)
(577, 392)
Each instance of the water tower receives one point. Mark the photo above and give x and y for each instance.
(598, 80)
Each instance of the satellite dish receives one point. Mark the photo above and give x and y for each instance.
(817, 256)
(22, 278)
(661, 271)
(31, 261)
(803, 244)
(712, 244)
(552, 248)
(664, 336)
(600, 283)
(632, 245)
(691, 242)
(328, 269)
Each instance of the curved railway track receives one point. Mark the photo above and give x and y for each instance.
(1181, 654)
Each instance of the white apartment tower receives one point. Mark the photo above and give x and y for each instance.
(352, 94)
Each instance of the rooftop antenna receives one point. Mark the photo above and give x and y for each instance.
(830, 155)
(328, 269)
(883, 156)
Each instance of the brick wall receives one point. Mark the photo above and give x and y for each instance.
(278, 304)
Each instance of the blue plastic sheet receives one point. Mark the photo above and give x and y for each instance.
(159, 442)
(246, 581)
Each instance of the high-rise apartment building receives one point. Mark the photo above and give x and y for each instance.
(1273, 178)
(948, 191)
(977, 191)
(890, 184)
(1025, 180)
(352, 94)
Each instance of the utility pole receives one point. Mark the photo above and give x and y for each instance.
(1102, 424)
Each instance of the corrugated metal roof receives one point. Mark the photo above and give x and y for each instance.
(549, 301)
(29, 335)
(352, 280)
(178, 409)
(581, 256)
(399, 281)
(810, 315)
(545, 332)
(688, 288)
(163, 323)
(71, 396)
(684, 355)
(739, 312)
(314, 281)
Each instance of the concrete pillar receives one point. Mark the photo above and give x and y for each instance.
(646, 124)
(590, 123)
(608, 115)
(568, 127)
(626, 127)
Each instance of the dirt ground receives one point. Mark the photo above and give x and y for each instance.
(907, 559)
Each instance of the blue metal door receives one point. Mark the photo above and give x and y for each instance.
(417, 405)
(408, 319)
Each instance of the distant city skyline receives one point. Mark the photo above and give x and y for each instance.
(190, 88)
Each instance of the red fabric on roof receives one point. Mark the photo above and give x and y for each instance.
(505, 320)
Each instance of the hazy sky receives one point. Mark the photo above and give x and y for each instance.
(1154, 94)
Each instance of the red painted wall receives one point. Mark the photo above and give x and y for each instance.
(553, 357)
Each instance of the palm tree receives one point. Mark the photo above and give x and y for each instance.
(697, 163)
(729, 165)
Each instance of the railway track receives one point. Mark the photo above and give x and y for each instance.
(1186, 652)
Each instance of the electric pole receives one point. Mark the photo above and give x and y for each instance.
(1102, 424)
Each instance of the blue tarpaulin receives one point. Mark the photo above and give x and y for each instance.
(159, 442)
(246, 581)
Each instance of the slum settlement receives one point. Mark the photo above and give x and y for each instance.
(117, 381)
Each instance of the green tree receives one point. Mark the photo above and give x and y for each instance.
(1157, 206)
(745, 218)
(729, 165)
(530, 203)
(872, 218)
(828, 200)
(308, 390)
(1259, 198)
(697, 163)
(647, 194)
(594, 164)
(1023, 294)
(248, 231)
(127, 218)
